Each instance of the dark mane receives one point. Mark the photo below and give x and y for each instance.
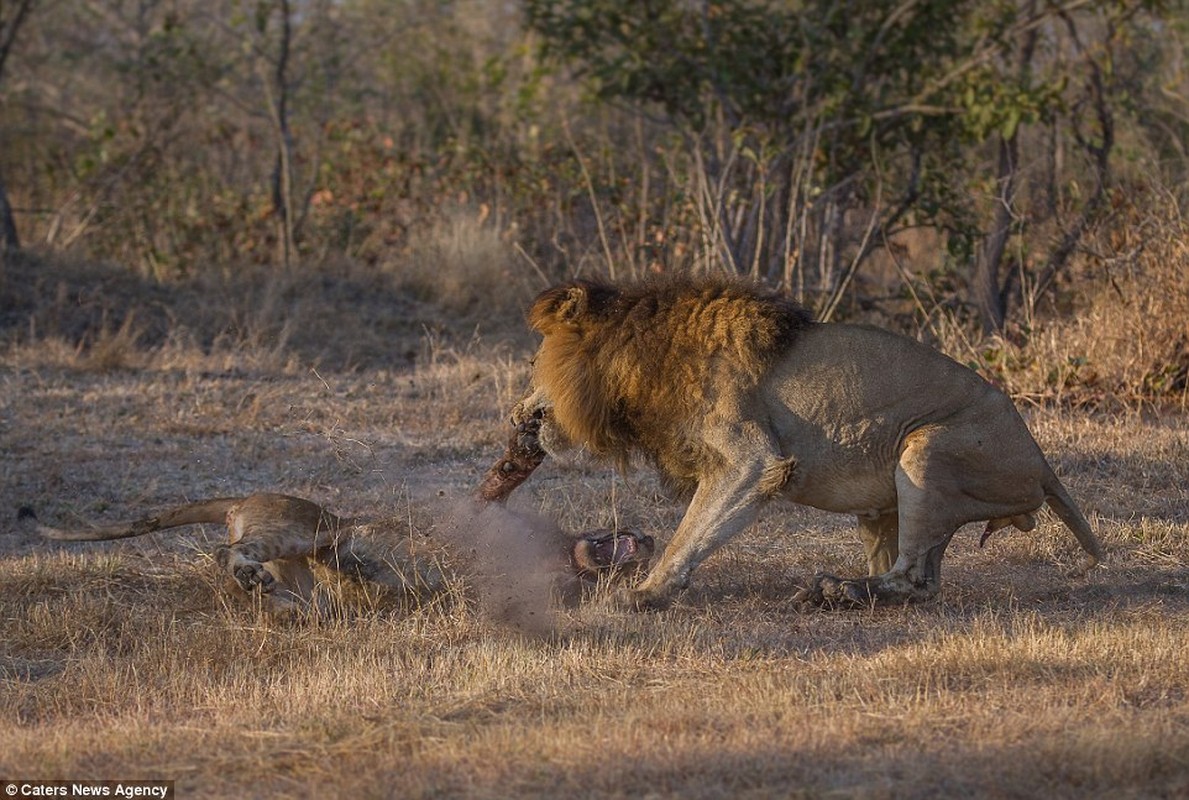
(624, 364)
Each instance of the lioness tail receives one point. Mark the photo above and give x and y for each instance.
(206, 511)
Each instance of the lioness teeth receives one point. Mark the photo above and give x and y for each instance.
(614, 550)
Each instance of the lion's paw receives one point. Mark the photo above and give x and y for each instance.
(636, 600)
(248, 574)
(830, 591)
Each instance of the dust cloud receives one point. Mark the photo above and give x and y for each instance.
(514, 562)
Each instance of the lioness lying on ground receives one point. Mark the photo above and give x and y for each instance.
(272, 540)
(274, 537)
(737, 396)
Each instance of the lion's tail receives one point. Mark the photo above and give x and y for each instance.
(1067, 511)
(206, 511)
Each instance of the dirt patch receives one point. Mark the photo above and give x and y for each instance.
(513, 561)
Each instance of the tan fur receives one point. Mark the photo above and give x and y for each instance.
(736, 395)
(271, 540)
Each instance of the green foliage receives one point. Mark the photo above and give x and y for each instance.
(881, 107)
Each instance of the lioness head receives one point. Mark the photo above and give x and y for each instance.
(618, 553)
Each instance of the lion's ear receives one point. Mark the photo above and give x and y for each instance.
(561, 305)
(572, 306)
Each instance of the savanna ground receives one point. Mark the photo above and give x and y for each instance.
(132, 660)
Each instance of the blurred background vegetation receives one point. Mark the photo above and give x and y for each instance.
(1001, 177)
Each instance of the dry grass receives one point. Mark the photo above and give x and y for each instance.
(1127, 345)
(463, 263)
(130, 660)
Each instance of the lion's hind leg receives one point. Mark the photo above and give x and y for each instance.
(881, 541)
(914, 575)
(880, 537)
(930, 500)
(945, 478)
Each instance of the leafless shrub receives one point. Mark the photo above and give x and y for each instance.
(1126, 343)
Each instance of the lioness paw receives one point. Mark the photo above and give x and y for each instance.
(251, 575)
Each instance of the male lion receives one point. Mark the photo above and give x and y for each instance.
(737, 396)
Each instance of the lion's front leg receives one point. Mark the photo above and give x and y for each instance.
(531, 408)
(721, 508)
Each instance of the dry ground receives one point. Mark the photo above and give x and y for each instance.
(129, 659)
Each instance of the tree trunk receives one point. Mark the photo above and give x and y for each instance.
(8, 34)
(1101, 156)
(277, 89)
(8, 225)
(990, 296)
(990, 301)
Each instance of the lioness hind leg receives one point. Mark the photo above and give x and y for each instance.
(271, 559)
(247, 572)
(287, 583)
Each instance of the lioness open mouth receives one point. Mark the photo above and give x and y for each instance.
(613, 549)
(614, 552)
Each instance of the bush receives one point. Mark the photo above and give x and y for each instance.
(1126, 344)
